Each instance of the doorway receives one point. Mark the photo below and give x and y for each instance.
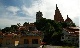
(16, 43)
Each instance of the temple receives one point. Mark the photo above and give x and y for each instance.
(28, 35)
(58, 17)
(38, 16)
(68, 20)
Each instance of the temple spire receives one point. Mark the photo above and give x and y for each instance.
(67, 16)
(68, 20)
(58, 17)
(38, 15)
(56, 7)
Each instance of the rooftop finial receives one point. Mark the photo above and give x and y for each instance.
(67, 16)
(56, 6)
(39, 10)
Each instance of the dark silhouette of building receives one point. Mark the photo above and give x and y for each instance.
(58, 17)
(38, 16)
(68, 20)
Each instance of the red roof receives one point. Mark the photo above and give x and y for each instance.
(72, 31)
(8, 35)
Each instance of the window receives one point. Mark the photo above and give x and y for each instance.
(16, 43)
(26, 41)
(34, 41)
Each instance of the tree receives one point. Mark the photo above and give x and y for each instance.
(67, 24)
(6, 29)
(25, 24)
(18, 24)
(0, 29)
(48, 31)
(52, 30)
(13, 28)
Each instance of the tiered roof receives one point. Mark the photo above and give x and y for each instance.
(73, 31)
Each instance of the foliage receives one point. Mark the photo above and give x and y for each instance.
(18, 24)
(66, 24)
(6, 29)
(52, 30)
(25, 23)
(13, 28)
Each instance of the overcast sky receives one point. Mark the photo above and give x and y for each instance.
(20, 11)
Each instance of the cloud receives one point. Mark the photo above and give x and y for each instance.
(7, 19)
(13, 9)
(11, 15)
(76, 20)
(6, 22)
(29, 11)
(47, 7)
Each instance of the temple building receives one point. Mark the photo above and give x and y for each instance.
(71, 34)
(28, 35)
(68, 20)
(38, 16)
(58, 17)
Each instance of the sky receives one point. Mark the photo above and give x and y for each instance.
(20, 11)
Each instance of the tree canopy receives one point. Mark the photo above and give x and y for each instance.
(52, 30)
